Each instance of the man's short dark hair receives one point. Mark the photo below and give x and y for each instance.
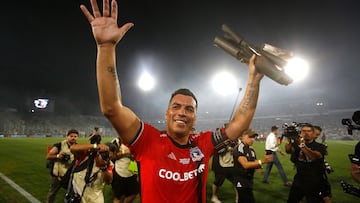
(307, 125)
(186, 92)
(316, 127)
(72, 131)
(273, 128)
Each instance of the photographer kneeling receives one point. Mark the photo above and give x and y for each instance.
(88, 183)
(308, 157)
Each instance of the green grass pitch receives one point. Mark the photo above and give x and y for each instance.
(23, 161)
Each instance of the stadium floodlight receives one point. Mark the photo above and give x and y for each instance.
(297, 69)
(224, 83)
(146, 82)
(270, 60)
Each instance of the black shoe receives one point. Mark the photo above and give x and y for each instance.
(266, 182)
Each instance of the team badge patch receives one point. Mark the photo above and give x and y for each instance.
(196, 154)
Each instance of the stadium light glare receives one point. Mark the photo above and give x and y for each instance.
(224, 83)
(146, 82)
(297, 69)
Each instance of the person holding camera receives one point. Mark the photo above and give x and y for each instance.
(308, 158)
(245, 165)
(94, 160)
(60, 159)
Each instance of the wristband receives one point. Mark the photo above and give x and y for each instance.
(95, 146)
(58, 155)
(260, 162)
(301, 145)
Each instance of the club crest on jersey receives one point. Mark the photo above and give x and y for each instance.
(196, 154)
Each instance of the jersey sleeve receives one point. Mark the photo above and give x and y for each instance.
(144, 141)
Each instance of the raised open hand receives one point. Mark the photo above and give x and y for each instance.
(104, 26)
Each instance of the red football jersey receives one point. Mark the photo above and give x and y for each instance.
(170, 172)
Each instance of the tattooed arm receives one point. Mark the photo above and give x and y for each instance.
(246, 109)
(107, 35)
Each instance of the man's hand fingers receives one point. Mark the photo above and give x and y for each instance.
(106, 9)
(126, 28)
(114, 10)
(86, 13)
(252, 59)
(95, 9)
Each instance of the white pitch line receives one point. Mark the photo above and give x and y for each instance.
(19, 189)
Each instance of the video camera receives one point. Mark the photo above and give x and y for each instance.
(350, 189)
(291, 131)
(96, 139)
(347, 122)
(66, 157)
(347, 187)
(327, 167)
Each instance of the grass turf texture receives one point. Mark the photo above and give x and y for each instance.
(23, 161)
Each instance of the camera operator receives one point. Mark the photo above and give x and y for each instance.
(89, 182)
(355, 167)
(60, 159)
(308, 157)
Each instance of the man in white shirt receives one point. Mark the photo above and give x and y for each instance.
(271, 147)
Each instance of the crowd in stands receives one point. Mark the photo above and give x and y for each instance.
(50, 124)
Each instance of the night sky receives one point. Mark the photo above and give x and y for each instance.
(47, 50)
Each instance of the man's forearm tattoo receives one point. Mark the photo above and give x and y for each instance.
(112, 71)
(249, 97)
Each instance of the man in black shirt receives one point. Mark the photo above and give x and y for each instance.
(308, 157)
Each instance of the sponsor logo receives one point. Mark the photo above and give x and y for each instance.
(184, 160)
(185, 176)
